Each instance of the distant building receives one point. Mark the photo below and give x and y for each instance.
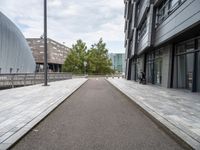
(15, 54)
(118, 61)
(162, 39)
(57, 54)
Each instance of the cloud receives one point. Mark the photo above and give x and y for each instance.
(69, 20)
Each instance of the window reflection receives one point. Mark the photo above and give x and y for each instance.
(185, 59)
(166, 8)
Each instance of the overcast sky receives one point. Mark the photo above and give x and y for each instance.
(69, 20)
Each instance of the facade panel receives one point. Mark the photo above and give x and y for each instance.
(145, 40)
(118, 62)
(133, 50)
(143, 6)
(57, 53)
(166, 44)
(15, 54)
(178, 21)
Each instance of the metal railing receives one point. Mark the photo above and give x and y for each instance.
(24, 79)
(98, 76)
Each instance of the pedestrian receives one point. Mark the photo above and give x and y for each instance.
(142, 79)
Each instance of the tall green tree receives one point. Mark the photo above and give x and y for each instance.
(75, 60)
(98, 61)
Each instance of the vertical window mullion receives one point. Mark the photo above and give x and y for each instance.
(195, 67)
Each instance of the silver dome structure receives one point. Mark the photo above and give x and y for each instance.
(15, 54)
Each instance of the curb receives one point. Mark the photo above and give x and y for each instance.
(13, 139)
(177, 134)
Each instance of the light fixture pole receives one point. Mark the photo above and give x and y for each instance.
(85, 64)
(45, 43)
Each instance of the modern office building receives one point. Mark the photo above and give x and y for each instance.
(118, 62)
(15, 54)
(162, 39)
(57, 53)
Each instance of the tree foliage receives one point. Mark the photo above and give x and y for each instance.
(96, 58)
(75, 59)
(98, 61)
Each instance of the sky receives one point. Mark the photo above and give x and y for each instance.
(70, 20)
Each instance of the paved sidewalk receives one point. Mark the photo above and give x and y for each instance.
(178, 110)
(97, 117)
(22, 108)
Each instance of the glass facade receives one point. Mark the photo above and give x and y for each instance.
(136, 70)
(133, 70)
(118, 62)
(198, 73)
(181, 72)
(158, 68)
(188, 65)
(198, 68)
(143, 30)
(150, 68)
(185, 64)
(154, 67)
(166, 8)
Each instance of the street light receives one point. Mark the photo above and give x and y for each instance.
(45, 43)
(85, 64)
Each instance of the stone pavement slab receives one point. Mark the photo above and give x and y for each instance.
(22, 108)
(177, 110)
(97, 117)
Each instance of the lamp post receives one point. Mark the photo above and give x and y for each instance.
(85, 64)
(45, 43)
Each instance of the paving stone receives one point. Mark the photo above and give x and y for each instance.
(22, 108)
(177, 109)
(4, 146)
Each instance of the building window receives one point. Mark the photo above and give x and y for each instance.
(154, 67)
(174, 3)
(198, 68)
(188, 65)
(166, 8)
(142, 31)
(138, 9)
(139, 6)
(162, 12)
(150, 67)
(158, 67)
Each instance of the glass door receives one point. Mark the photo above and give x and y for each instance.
(185, 71)
(185, 60)
(158, 67)
(150, 68)
(190, 65)
(158, 71)
(181, 77)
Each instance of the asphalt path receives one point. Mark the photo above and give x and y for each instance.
(97, 117)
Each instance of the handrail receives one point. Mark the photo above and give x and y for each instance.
(24, 79)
